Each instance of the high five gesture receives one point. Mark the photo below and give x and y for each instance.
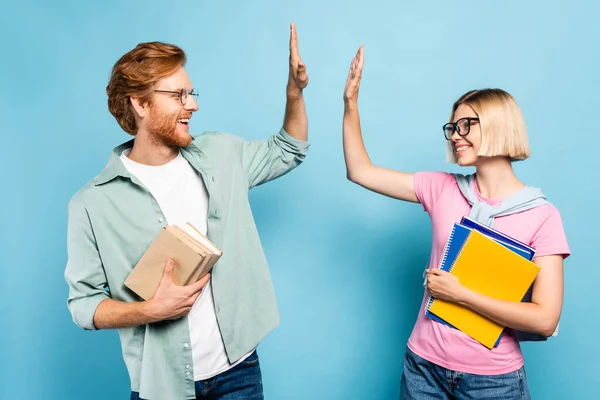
(295, 121)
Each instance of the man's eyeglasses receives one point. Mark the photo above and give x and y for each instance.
(462, 127)
(183, 94)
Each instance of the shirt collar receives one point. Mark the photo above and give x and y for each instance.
(115, 167)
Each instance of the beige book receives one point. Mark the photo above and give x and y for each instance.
(193, 254)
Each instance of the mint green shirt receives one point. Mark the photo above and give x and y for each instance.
(113, 220)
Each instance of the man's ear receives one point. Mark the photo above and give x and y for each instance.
(140, 108)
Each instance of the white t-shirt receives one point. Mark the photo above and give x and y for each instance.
(182, 197)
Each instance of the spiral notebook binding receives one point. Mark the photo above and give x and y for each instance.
(442, 262)
(460, 253)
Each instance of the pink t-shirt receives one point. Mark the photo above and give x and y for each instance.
(540, 227)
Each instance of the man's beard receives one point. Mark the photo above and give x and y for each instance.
(163, 130)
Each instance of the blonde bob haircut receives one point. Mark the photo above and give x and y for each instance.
(503, 131)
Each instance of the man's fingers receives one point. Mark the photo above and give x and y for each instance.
(293, 39)
(294, 54)
(184, 312)
(196, 287)
(190, 302)
(169, 267)
(292, 35)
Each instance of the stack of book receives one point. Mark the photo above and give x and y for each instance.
(193, 254)
(489, 263)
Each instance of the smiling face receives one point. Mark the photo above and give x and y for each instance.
(466, 148)
(167, 119)
(498, 117)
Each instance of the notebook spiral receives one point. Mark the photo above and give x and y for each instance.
(441, 265)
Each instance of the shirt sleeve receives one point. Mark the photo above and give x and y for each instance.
(269, 159)
(84, 272)
(429, 187)
(550, 238)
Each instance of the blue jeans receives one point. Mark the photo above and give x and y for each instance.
(242, 382)
(423, 380)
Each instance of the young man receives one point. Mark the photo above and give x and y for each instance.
(195, 341)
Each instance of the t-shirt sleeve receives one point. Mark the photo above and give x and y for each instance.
(429, 187)
(550, 239)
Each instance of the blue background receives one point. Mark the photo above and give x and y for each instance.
(349, 300)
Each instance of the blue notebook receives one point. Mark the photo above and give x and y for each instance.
(455, 242)
(458, 236)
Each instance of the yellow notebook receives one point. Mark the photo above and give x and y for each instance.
(487, 268)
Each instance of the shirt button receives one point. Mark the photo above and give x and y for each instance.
(217, 212)
(186, 345)
(187, 373)
(187, 366)
(161, 220)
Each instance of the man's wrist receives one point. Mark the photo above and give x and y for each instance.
(148, 310)
(293, 92)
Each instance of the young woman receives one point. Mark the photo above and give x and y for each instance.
(486, 130)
